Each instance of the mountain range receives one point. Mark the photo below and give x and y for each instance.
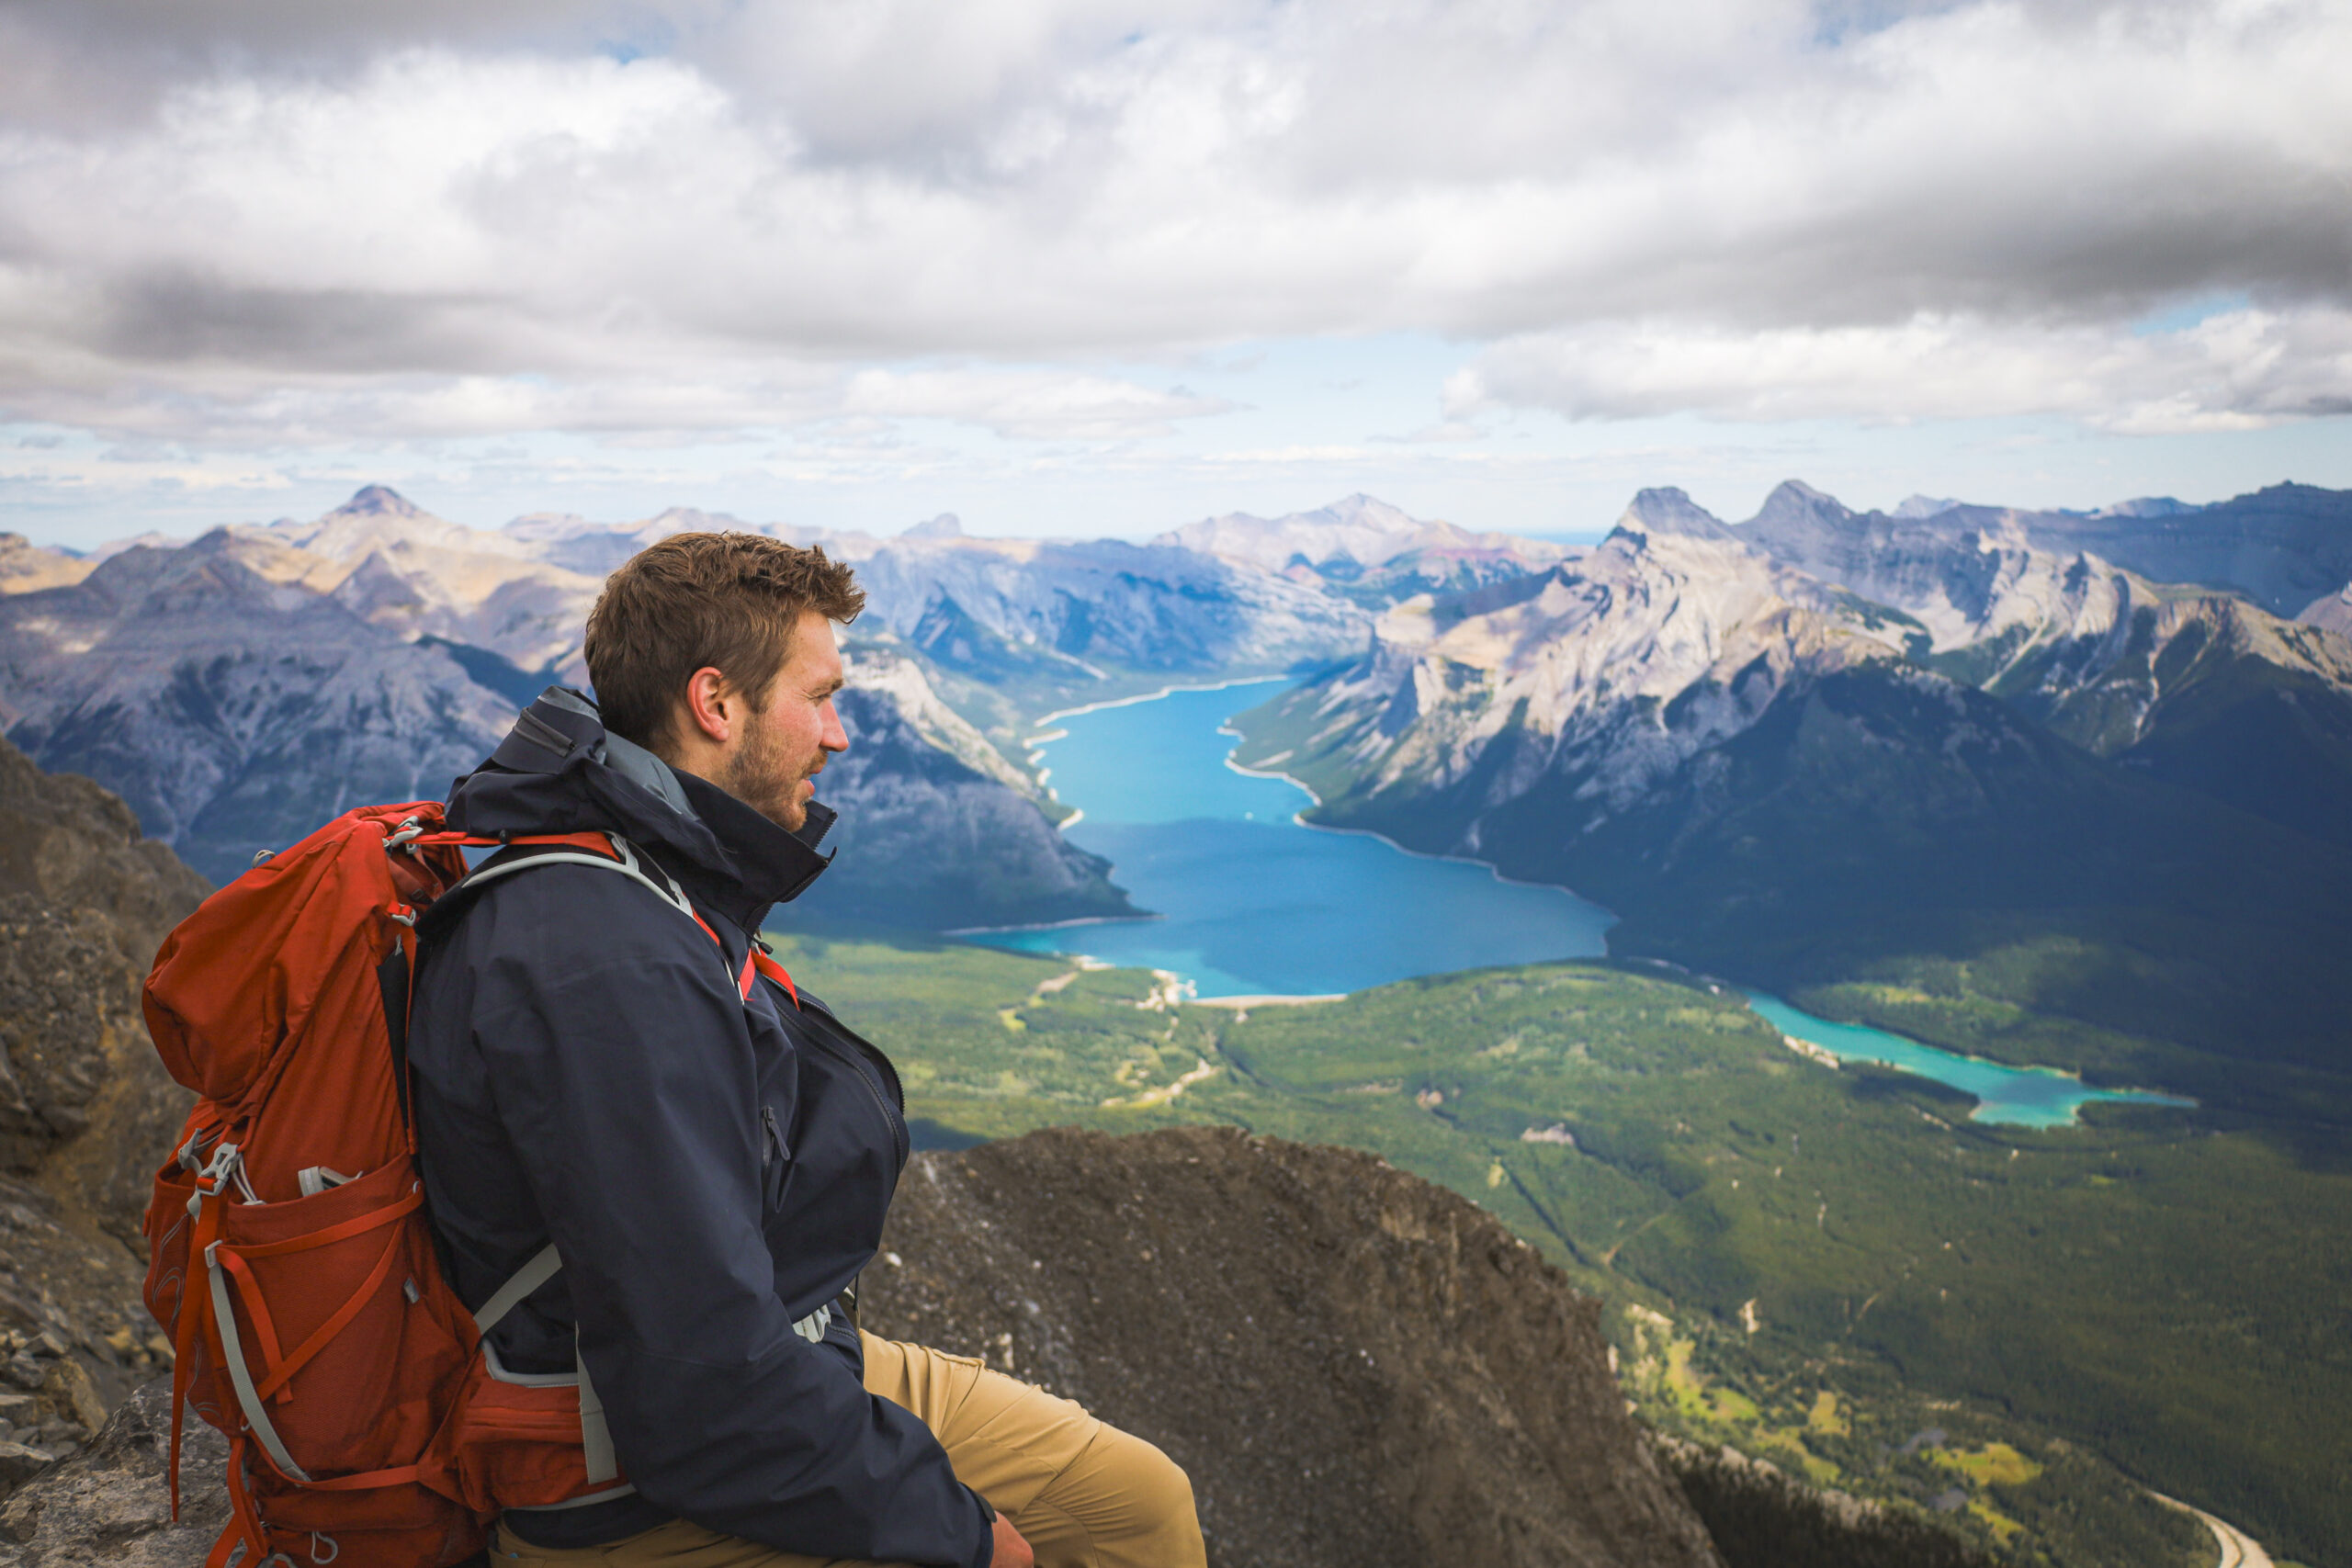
(1957, 758)
(242, 687)
(1777, 746)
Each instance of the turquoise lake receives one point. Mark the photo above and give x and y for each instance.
(2015, 1097)
(1250, 902)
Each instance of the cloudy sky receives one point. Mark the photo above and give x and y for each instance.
(1103, 266)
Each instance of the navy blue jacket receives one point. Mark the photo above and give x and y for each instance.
(712, 1169)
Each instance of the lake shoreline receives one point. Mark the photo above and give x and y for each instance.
(1158, 813)
(1493, 870)
(1251, 905)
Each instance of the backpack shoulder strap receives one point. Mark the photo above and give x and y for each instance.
(623, 859)
(518, 855)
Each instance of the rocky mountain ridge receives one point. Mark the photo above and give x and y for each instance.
(2196, 685)
(1767, 769)
(1620, 664)
(2285, 547)
(1352, 1365)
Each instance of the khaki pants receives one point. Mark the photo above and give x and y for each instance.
(1082, 1494)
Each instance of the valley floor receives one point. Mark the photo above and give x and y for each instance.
(2015, 1331)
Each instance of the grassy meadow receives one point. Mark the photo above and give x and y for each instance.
(1833, 1269)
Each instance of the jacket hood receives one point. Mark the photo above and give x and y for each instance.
(559, 771)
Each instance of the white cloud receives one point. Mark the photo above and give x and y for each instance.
(427, 218)
(2235, 371)
(1038, 405)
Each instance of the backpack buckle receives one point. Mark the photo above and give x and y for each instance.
(227, 1166)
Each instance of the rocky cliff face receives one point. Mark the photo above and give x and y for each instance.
(1353, 1366)
(1969, 575)
(234, 705)
(2194, 685)
(2283, 548)
(1613, 670)
(86, 1112)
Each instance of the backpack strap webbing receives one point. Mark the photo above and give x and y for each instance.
(508, 1296)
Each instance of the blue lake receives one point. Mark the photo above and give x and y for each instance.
(2015, 1097)
(1250, 902)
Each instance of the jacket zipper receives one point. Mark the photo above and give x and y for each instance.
(775, 1138)
(772, 1161)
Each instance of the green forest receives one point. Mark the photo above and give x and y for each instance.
(2021, 1332)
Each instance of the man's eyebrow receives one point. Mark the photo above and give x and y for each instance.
(832, 686)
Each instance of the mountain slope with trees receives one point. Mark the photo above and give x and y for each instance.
(1776, 775)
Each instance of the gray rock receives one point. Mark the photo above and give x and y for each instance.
(112, 1505)
(1363, 1368)
(19, 1462)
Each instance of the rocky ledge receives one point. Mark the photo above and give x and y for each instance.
(1353, 1365)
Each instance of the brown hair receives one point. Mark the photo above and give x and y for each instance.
(726, 600)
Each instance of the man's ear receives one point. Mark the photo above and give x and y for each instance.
(714, 708)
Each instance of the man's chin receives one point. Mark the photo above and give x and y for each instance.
(791, 813)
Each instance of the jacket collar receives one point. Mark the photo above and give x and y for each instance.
(559, 771)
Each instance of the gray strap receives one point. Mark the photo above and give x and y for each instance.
(587, 1500)
(628, 865)
(595, 1437)
(528, 1278)
(224, 1313)
(581, 857)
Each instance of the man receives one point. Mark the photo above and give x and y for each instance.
(713, 1167)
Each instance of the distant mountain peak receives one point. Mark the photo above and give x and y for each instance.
(1795, 500)
(1913, 507)
(380, 500)
(947, 526)
(1668, 509)
(2146, 506)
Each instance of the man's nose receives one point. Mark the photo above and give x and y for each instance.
(833, 738)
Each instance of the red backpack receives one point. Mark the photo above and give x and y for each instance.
(291, 1259)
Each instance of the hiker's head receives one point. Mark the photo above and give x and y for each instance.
(716, 653)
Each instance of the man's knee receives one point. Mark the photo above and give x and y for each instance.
(1161, 1483)
(1152, 1488)
(1122, 1504)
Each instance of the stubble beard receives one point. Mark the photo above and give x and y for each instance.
(764, 777)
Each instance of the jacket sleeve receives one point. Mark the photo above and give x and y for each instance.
(622, 1067)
